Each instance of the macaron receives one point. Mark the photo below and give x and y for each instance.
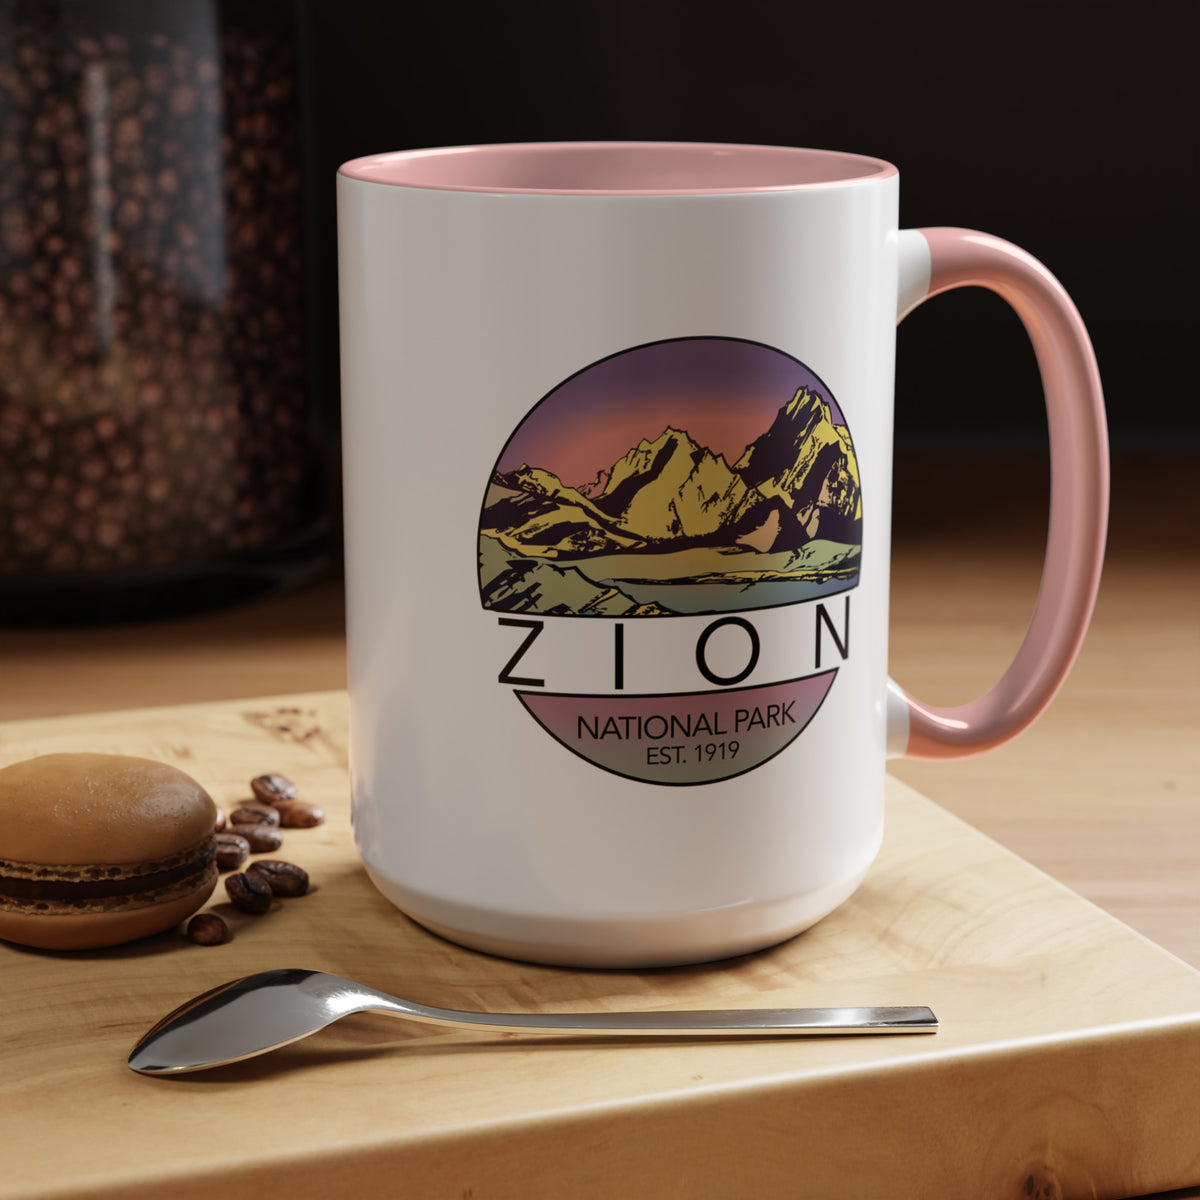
(100, 849)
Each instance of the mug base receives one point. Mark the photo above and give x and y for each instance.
(616, 943)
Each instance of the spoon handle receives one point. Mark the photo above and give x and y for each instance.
(722, 1022)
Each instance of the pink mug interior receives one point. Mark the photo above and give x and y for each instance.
(617, 168)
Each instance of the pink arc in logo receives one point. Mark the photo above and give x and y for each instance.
(681, 738)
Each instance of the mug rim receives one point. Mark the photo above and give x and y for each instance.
(644, 168)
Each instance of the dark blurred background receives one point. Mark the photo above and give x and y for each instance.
(169, 405)
(1064, 126)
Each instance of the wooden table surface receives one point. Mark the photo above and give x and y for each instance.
(1103, 793)
(1064, 1066)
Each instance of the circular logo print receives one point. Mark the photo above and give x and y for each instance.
(702, 478)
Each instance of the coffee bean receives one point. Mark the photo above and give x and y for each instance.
(283, 878)
(295, 814)
(271, 789)
(220, 823)
(232, 851)
(207, 929)
(262, 838)
(254, 814)
(248, 893)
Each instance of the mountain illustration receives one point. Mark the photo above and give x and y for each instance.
(533, 512)
(807, 463)
(671, 516)
(672, 489)
(518, 584)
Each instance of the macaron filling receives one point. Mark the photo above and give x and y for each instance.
(42, 888)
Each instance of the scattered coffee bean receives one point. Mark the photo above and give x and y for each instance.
(207, 929)
(232, 851)
(283, 878)
(221, 819)
(271, 789)
(295, 814)
(254, 814)
(249, 893)
(262, 838)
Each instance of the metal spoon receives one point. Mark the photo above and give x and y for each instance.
(265, 1011)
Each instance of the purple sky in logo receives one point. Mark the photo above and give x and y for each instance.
(723, 392)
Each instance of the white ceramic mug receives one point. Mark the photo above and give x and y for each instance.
(618, 443)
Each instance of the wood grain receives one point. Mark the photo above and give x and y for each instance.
(1065, 1067)
(1104, 791)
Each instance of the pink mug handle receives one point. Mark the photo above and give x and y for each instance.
(1078, 490)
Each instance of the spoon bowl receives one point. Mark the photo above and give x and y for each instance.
(262, 1012)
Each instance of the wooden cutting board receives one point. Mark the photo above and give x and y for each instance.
(1067, 1064)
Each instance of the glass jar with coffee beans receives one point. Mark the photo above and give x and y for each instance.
(158, 445)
